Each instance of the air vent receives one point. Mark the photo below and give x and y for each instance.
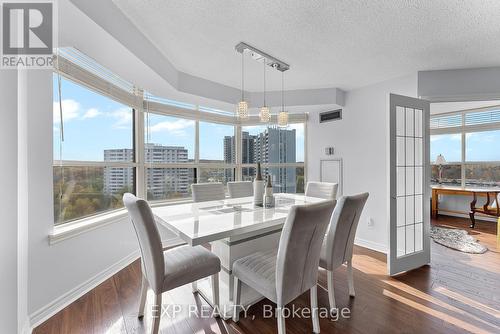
(328, 116)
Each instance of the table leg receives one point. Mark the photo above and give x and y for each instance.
(473, 210)
(434, 206)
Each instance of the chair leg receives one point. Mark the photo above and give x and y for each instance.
(314, 308)
(350, 279)
(281, 320)
(237, 299)
(156, 314)
(144, 295)
(194, 286)
(331, 293)
(215, 293)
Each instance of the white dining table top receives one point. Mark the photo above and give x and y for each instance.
(199, 223)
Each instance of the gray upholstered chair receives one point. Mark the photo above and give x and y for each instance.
(338, 244)
(324, 190)
(239, 189)
(203, 192)
(284, 274)
(163, 271)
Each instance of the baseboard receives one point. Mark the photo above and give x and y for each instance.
(371, 245)
(47, 311)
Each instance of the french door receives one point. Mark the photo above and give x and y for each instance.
(409, 242)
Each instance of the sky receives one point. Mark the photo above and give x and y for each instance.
(93, 123)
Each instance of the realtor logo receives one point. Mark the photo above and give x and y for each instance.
(27, 34)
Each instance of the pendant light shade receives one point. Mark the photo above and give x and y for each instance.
(283, 115)
(265, 112)
(242, 111)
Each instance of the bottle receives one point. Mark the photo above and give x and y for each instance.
(268, 196)
(258, 187)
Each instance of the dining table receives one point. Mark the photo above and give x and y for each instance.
(232, 228)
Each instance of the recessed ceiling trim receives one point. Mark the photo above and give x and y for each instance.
(125, 32)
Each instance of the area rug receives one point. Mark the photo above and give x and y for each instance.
(457, 239)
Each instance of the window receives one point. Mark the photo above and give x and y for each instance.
(469, 141)
(169, 183)
(169, 139)
(215, 143)
(93, 166)
(482, 146)
(281, 153)
(449, 145)
(104, 154)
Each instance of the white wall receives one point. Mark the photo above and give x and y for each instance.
(361, 140)
(8, 203)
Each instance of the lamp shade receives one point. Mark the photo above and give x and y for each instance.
(440, 160)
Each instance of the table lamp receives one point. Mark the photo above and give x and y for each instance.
(440, 161)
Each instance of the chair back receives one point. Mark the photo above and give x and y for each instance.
(149, 240)
(203, 192)
(343, 226)
(324, 190)
(299, 249)
(240, 189)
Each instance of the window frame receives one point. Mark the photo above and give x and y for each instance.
(463, 130)
(141, 104)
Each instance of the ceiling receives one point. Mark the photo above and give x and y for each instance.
(344, 44)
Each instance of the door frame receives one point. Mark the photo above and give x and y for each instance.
(395, 264)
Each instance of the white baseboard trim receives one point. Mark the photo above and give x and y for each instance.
(371, 245)
(47, 311)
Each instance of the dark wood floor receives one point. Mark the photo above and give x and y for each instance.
(457, 293)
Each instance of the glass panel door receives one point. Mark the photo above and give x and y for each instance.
(409, 230)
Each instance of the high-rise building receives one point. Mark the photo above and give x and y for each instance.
(274, 145)
(161, 182)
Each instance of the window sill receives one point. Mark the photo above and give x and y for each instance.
(69, 230)
(77, 227)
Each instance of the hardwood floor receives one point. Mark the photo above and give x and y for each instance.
(457, 293)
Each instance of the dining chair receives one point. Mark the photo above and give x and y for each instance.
(165, 270)
(338, 244)
(324, 190)
(284, 274)
(203, 192)
(239, 189)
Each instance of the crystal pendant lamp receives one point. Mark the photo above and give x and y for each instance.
(242, 111)
(283, 115)
(265, 112)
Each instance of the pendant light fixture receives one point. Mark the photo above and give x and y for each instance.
(283, 115)
(242, 111)
(265, 112)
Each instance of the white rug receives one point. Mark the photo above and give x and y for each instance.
(457, 239)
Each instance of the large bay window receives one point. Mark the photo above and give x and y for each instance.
(469, 141)
(120, 139)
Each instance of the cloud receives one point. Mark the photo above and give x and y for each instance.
(174, 127)
(91, 113)
(71, 110)
(123, 118)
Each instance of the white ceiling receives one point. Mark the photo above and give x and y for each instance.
(345, 44)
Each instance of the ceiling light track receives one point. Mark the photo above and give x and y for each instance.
(259, 55)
